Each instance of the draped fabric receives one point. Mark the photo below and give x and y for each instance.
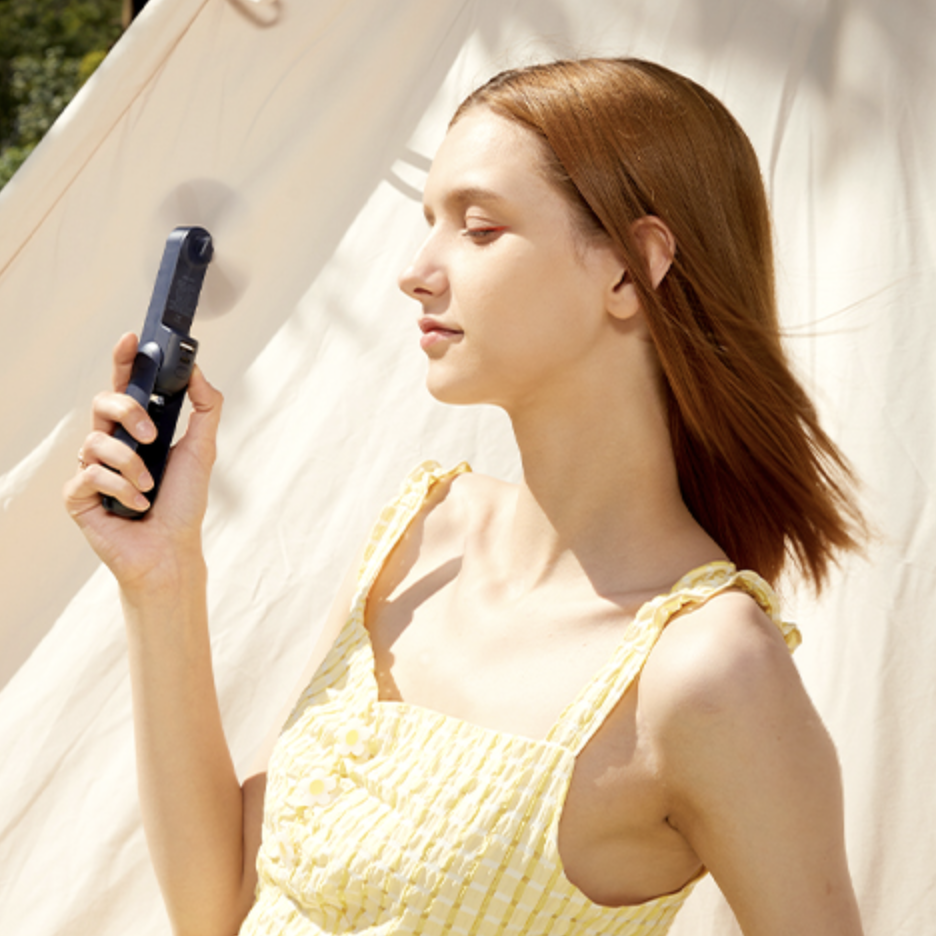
(300, 135)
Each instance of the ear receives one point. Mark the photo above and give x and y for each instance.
(658, 246)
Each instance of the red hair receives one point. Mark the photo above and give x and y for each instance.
(625, 139)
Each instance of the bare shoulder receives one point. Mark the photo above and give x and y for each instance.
(464, 502)
(455, 508)
(726, 653)
(751, 775)
(474, 492)
(720, 687)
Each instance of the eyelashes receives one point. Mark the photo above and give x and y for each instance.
(481, 235)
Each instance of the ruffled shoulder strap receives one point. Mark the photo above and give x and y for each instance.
(583, 716)
(348, 665)
(393, 520)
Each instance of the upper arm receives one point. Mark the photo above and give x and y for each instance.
(751, 774)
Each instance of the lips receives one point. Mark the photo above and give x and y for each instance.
(437, 333)
(429, 325)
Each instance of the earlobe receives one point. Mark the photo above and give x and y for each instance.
(622, 297)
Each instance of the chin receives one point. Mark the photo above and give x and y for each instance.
(455, 392)
(450, 395)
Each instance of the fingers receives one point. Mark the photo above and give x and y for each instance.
(111, 409)
(107, 466)
(110, 467)
(83, 491)
(102, 449)
(124, 353)
(114, 408)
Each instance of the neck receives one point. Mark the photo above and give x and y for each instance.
(600, 498)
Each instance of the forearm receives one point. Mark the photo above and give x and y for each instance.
(191, 801)
(190, 797)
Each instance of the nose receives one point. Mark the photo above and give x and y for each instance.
(424, 278)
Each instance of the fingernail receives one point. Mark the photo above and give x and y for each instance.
(140, 502)
(145, 431)
(145, 481)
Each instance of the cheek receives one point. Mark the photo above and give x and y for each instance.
(526, 313)
(507, 286)
(549, 304)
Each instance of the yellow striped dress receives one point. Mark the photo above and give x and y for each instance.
(383, 817)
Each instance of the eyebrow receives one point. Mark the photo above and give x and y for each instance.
(466, 195)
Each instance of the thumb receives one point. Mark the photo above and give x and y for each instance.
(207, 403)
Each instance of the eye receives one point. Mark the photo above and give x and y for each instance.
(483, 233)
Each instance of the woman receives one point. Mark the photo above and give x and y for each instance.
(523, 725)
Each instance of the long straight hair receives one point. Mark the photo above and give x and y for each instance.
(625, 138)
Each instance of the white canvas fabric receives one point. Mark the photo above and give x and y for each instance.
(300, 135)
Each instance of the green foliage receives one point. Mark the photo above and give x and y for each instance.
(42, 87)
(48, 49)
(88, 64)
(11, 158)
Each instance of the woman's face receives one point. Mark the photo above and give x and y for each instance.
(512, 297)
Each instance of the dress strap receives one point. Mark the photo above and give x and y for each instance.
(393, 520)
(349, 662)
(585, 714)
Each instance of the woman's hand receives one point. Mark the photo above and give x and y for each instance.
(190, 798)
(151, 551)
